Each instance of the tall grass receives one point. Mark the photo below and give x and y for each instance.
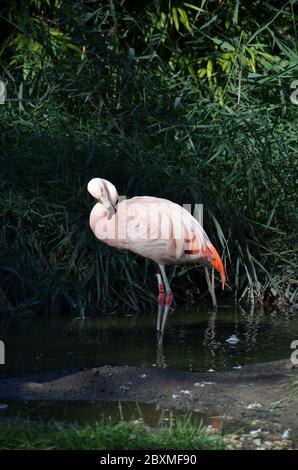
(92, 104)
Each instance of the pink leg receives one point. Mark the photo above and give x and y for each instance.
(168, 298)
(161, 291)
(160, 300)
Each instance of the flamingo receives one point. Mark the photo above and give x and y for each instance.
(154, 228)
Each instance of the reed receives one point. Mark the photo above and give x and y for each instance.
(182, 107)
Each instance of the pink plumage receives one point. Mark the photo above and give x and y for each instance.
(151, 227)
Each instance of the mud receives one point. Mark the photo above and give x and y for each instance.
(261, 397)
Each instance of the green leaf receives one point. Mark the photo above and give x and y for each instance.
(194, 7)
(88, 16)
(184, 20)
(236, 12)
(209, 69)
(227, 46)
(175, 18)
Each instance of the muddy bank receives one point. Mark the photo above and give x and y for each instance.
(263, 396)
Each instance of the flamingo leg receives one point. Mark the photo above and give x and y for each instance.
(168, 297)
(160, 359)
(164, 318)
(160, 301)
(159, 315)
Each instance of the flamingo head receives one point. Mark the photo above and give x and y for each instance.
(104, 192)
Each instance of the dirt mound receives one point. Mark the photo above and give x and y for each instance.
(263, 396)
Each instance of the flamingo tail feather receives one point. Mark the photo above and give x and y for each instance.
(217, 264)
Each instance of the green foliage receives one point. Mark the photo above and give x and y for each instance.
(182, 100)
(106, 436)
(224, 40)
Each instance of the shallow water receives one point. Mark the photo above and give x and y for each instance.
(83, 412)
(194, 340)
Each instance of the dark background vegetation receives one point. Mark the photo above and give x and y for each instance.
(184, 100)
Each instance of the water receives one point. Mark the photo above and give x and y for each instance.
(83, 412)
(195, 340)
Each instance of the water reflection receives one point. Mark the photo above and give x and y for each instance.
(194, 340)
(160, 356)
(83, 412)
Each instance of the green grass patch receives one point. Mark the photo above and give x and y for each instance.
(183, 435)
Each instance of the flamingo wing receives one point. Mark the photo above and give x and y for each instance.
(150, 228)
(157, 229)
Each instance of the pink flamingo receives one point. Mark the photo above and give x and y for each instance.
(154, 228)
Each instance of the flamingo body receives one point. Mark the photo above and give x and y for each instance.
(154, 228)
(137, 226)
